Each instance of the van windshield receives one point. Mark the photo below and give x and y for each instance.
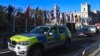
(40, 30)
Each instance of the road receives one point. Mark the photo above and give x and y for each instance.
(78, 44)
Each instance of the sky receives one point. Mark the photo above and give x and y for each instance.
(64, 5)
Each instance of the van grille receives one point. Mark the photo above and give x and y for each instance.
(13, 42)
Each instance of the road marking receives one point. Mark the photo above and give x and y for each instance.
(5, 52)
(95, 52)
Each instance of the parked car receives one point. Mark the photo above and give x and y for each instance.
(92, 28)
(98, 26)
(39, 39)
(84, 31)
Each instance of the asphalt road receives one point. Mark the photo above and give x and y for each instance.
(78, 44)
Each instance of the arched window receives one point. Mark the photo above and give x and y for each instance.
(84, 9)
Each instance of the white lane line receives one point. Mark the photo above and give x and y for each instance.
(5, 52)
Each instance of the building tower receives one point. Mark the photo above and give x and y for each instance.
(85, 9)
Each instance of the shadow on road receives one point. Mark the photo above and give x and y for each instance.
(75, 46)
(60, 51)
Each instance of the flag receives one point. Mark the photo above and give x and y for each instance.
(27, 13)
(52, 15)
(14, 21)
(26, 17)
(48, 17)
(35, 15)
(68, 16)
(72, 18)
(62, 18)
(10, 10)
(58, 16)
(44, 17)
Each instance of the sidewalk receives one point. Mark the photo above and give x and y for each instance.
(1, 44)
(4, 37)
(95, 53)
(98, 54)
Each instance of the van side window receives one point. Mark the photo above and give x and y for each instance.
(54, 30)
(61, 29)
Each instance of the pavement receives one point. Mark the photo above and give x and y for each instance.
(1, 44)
(4, 37)
(98, 54)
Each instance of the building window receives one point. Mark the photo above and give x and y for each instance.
(84, 9)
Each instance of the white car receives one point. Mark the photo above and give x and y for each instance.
(98, 26)
(92, 28)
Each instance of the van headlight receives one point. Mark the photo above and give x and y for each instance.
(24, 43)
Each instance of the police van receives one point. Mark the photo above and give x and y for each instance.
(40, 39)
